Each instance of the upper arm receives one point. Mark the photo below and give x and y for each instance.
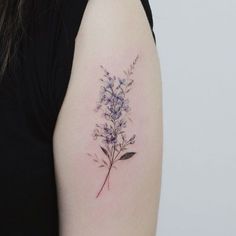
(114, 36)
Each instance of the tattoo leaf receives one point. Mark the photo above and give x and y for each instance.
(127, 155)
(105, 162)
(105, 151)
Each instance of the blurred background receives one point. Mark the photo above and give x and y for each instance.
(196, 40)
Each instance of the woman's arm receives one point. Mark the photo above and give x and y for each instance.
(108, 137)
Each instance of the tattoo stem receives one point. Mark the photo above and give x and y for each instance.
(105, 181)
(108, 183)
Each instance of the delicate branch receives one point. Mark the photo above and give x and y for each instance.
(104, 183)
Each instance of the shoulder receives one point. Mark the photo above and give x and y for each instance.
(117, 17)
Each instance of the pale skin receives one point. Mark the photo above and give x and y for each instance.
(112, 34)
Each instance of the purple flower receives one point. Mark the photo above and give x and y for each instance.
(111, 138)
(116, 114)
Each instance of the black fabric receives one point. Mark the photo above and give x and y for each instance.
(31, 95)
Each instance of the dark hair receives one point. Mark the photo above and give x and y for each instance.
(11, 28)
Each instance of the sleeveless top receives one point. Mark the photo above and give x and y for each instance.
(31, 96)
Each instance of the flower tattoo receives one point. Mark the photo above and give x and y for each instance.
(114, 106)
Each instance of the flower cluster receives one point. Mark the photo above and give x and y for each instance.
(114, 106)
(113, 96)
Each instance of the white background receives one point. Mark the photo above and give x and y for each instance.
(196, 40)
